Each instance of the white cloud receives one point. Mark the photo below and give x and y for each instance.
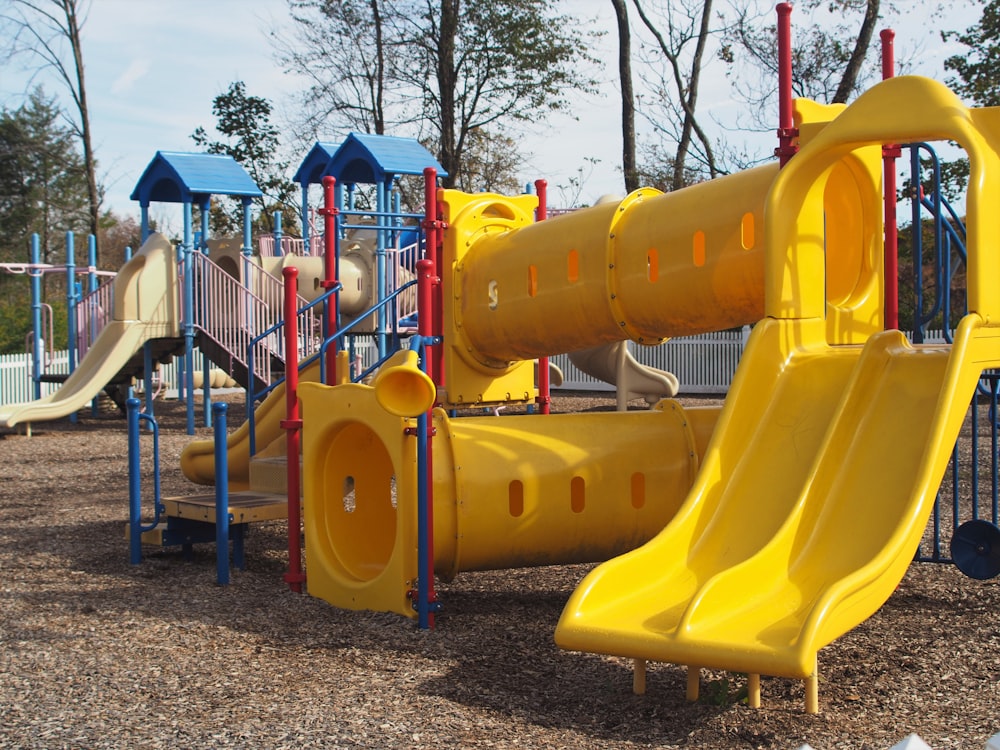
(135, 70)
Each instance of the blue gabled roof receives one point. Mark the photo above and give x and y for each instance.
(364, 158)
(313, 167)
(180, 177)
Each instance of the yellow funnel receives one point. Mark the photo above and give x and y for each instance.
(402, 388)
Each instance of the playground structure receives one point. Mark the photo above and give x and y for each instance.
(761, 533)
(758, 534)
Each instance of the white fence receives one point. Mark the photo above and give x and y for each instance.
(15, 375)
(703, 364)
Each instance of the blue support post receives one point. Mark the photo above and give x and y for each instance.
(187, 250)
(144, 220)
(221, 496)
(37, 333)
(277, 233)
(91, 321)
(206, 389)
(380, 277)
(304, 214)
(134, 484)
(71, 299)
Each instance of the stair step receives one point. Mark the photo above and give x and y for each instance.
(244, 507)
(269, 474)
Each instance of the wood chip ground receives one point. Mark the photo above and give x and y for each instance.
(97, 653)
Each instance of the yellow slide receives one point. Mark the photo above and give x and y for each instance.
(198, 457)
(146, 306)
(804, 516)
(819, 480)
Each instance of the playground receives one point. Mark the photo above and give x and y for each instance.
(100, 653)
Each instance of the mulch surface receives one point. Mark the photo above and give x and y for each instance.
(95, 652)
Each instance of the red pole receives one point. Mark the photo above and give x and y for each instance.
(544, 386)
(292, 424)
(425, 326)
(890, 153)
(432, 235)
(786, 121)
(331, 272)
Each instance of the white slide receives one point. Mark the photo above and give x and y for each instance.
(146, 306)
(614, 364)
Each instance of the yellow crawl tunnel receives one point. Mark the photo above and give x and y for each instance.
(508, 492)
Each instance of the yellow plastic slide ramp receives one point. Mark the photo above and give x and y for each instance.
(785, 546)
(145, 307)
(198, 457)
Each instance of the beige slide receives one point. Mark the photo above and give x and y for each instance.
(146, 306)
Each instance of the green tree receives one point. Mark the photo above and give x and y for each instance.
(977, 79)
(43, 183)
(252, 139)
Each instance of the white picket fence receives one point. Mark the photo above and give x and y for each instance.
(15, 375)
(704, 364)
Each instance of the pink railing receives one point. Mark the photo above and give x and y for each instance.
(401, 268)
(290, 246)
(233, 314)
(93, 312)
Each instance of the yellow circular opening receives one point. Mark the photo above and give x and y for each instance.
(359, 502)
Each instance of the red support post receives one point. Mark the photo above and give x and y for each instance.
(432, 237)
(425, 325)
(787, 131)
(293, 425)
(544, 386)
(890, 152)
(331, 272)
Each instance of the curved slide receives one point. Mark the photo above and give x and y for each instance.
(145, 308)
(614, 364)
(198, 457)
(814, 494)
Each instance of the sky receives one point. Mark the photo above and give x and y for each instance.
(154, 67)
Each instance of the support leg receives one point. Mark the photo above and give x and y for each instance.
(753, 690)
(812, 693)
(693, 683)
(639, 676)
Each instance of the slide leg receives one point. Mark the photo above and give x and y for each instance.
(812, 692)
(639, 676)
(693, 683)
(753, 690)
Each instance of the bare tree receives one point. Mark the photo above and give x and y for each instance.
(341, 47)
(628, 96)
(831, 60)
(40, 29)
(682, 28)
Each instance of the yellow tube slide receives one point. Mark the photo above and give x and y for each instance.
(198, 456)
(508, 492)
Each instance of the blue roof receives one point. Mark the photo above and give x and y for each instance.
(179, 177)
(313, 166)
(369, 159)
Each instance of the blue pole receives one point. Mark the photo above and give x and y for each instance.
(277, 233)
(380, 280)
(144, 220)
(71, 300)
(37, 334)
(91, 321)
(304, 218)
(206, 390)
(247, 248)
(221, 496)
(188, 316)
(134, 483)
